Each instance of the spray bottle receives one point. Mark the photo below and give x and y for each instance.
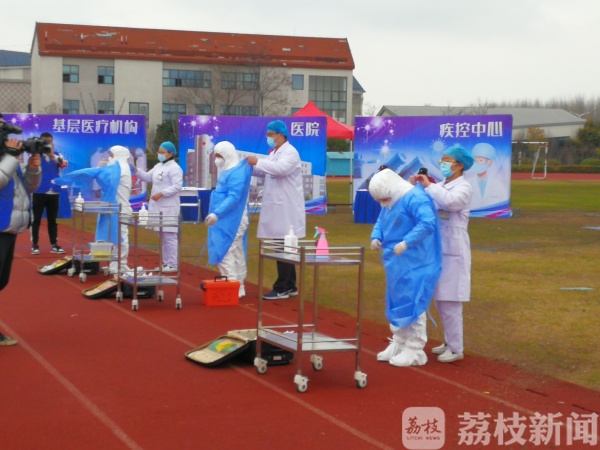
(79, 203)
(322, 245)
(290, 241)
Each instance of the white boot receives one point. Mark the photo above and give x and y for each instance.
(415, 340)
(393, 349)
(242, 291)
(408, 357)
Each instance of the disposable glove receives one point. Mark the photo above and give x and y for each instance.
(400, 248)
(210, 220)
(375, 244)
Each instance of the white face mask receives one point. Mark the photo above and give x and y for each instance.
(219, 162)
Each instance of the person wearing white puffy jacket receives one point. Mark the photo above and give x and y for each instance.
(167, 182)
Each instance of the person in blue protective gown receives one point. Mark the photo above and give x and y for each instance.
(407, 230)
(228, 214)
(114, 180)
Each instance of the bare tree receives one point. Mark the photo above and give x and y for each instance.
(270, 96)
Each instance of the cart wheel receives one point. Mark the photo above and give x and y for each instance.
(178, 303)
(106, 271)
(317, 362)
(82, 277)
(160, 296)
(119, 296)
(261, 365)
(301, 383)
(302, 387)
(134, 304)
(361, 380)
(71, 272)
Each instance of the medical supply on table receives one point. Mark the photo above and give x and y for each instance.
(322, 245)
(79, 201)
(290, 241)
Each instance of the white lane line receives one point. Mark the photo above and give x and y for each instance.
(80, 396)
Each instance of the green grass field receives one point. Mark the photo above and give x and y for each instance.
(519, 310)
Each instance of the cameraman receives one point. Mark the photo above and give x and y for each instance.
(15, 204)
(47, 197)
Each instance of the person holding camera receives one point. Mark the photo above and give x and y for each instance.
(16, 186)
(47, 197)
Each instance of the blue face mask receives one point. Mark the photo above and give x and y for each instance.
(446, 168)
(270, 141)
(162, 157)
(480, 167)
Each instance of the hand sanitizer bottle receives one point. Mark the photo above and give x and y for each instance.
(290, 242)
(143, 215)
(322, 245)
(79, 203)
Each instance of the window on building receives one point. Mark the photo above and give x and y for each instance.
(295, 110)
(139, 108)
(239, 80)
(239, 110)
(172, 111)
(105, 107)
(298, 82)
(329, 94)
(203, 110)
(70, 74)
(106, 75)
(70, 106)
(187, 78)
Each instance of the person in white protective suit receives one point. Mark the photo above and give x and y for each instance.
(228, 214)
(452, 198)
(167, 181)
(407, 230)
(114, 180)
(283, 204)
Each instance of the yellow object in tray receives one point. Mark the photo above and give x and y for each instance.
(100, 249)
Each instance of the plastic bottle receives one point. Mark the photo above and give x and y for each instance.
(322, 245)
(143, 215)
(290, 241)
(79, 203)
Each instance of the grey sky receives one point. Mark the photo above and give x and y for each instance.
(407, 52)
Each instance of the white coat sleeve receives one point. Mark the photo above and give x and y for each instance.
(456, 199)
(144, 176)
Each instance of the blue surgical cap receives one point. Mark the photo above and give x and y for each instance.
(460, 155)
(170, 147)
(484, 149)
(278, 126)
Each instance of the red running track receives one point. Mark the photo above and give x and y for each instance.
(93, 374)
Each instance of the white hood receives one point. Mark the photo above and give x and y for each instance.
(229, 153)
(388, 184)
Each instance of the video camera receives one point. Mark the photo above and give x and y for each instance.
(33, 145)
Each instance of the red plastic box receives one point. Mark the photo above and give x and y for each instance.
(220, 292)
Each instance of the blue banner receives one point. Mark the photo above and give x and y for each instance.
(405, 144)
(199, 134)
(84, 140)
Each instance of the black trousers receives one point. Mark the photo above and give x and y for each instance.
(49, 202)
(7, 250)
(286, 277)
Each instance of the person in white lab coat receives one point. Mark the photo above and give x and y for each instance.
(452, 198)
(167, 181)
(283, 203)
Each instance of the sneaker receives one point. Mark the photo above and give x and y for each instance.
(439, 349)
(7, 340)
(448, 357)
(56, 249)
(274, 295)
(35, 250)
(168, 269)
(293, 292)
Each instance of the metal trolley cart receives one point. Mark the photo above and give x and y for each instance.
(84, 252)
(148, 277)
(303, 337)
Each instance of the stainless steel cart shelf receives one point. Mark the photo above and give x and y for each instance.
(304, 337)
(157, 277)
(81, 249)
